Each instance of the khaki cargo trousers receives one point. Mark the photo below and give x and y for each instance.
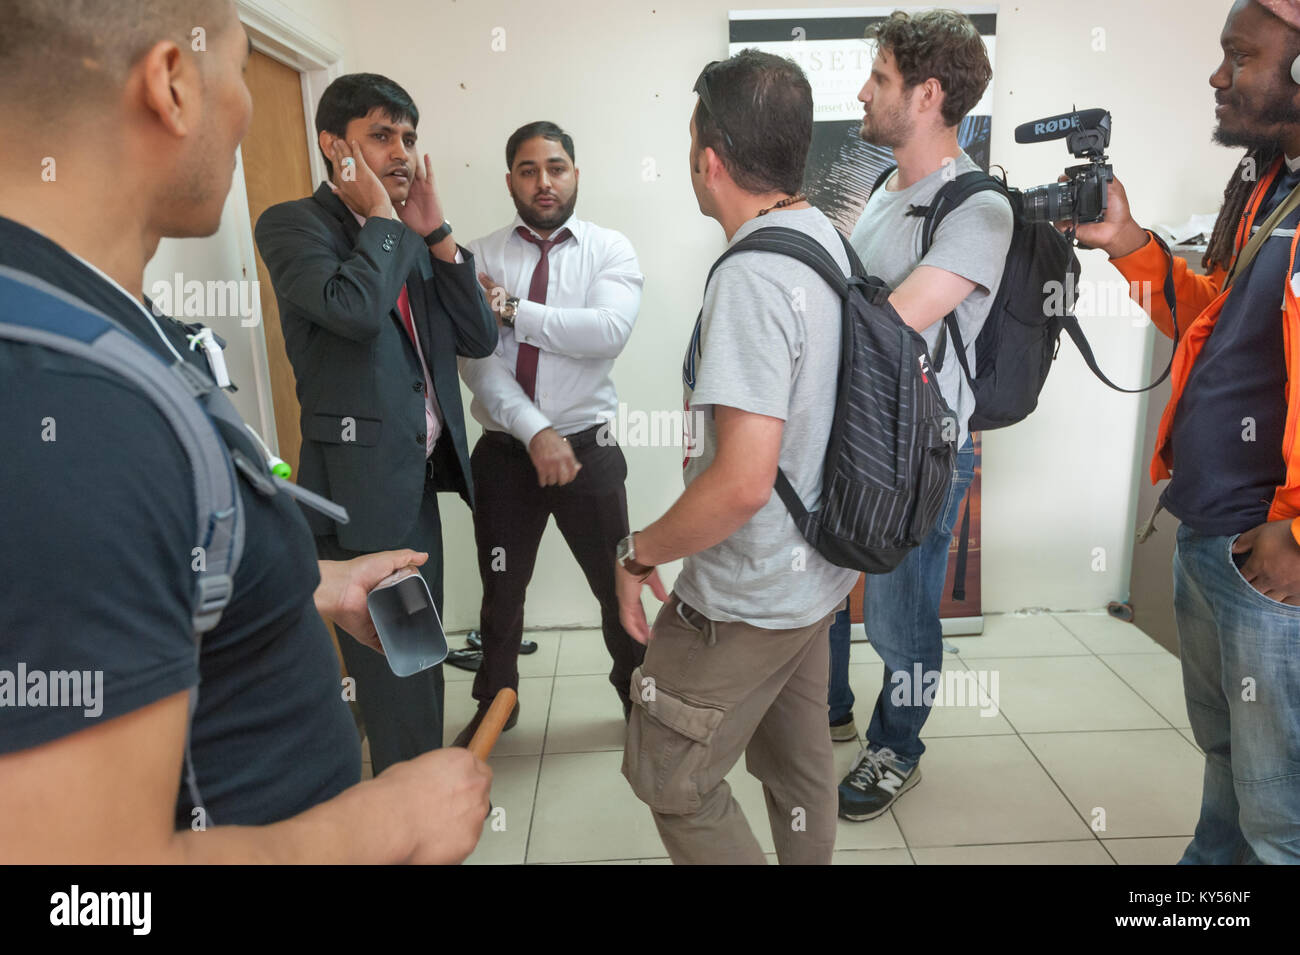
(709, 691)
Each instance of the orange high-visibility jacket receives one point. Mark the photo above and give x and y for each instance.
(1203, 296)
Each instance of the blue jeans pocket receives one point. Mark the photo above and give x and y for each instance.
(1241, 580)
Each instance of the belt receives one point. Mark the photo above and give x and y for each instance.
(581, 440)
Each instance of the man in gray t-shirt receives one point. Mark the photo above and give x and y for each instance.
(971, 243)
(909, 109)
(737, 660)
(768, 344)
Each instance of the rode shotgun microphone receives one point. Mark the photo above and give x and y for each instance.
(1058, 127)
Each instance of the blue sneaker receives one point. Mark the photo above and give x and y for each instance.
(877, 779)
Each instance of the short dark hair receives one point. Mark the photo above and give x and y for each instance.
(942, 44)
(353, 96)
(543, 128)
(56, 55)
(759, 120)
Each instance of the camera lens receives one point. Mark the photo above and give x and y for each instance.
(1051, 203)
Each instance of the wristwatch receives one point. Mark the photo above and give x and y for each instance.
(438, 234)
(509, 310)
(626, 555)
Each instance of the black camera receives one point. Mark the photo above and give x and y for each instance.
(1082, 197)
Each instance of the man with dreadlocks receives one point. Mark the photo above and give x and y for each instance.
(1228, 443)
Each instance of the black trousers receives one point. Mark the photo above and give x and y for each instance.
(510, 514)
(402, 714)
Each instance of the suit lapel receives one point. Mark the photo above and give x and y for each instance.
(339, 211)
(418, 288)
(335, 206)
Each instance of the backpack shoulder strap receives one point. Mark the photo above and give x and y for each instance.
(951, 196)
(803, 248)
(797, 245)
(948, 198)
(38, 313)
(41, 314)
(882, 179)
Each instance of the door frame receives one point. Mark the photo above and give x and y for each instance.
(287, 37)
(290, 38)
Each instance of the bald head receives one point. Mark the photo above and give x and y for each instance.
(136, 109)
(57, 55)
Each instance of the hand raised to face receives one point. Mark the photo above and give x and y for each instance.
(358, 186)
(422, 210)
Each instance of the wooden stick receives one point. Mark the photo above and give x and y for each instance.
(485, 737)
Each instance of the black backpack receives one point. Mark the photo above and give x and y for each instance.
(890, 458)
(1021, 336)
(1020, 339)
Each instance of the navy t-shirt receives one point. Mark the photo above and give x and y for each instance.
(96, 531)
(1228, 429)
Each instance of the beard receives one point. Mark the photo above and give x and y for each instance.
(888, 130)
(1257, 126)
(541, 222)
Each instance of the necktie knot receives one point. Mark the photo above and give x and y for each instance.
(544, 244)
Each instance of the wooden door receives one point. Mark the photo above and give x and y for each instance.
(276, 169)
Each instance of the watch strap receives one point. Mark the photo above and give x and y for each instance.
(438, 234)
(630, 563)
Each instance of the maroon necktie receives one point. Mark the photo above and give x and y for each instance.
(526, 364)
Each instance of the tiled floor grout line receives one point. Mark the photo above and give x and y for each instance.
(1020, 736)
(1046, 772)
(962, 659)
(541, 756)
(859, 740)
(1029, 749)
(1138, 692)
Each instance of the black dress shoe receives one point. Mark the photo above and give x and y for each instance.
(475, 642)
(467, 734)
(466, 659)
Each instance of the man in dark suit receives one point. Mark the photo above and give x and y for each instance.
(376, 301)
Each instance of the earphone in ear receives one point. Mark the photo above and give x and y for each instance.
(1295, 69)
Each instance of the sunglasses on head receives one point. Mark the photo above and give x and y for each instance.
(702, 88)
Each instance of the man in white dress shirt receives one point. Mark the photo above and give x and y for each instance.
(566, 294)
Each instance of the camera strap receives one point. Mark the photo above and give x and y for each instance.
(1275, 219)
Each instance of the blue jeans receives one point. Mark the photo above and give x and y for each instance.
(1241, 674)
(901, 610)
(840, 696)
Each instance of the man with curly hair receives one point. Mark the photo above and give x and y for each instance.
(930, 70)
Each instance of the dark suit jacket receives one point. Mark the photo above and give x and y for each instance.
(359, 379)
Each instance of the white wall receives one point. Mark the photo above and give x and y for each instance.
(220, 257)
(618, 76)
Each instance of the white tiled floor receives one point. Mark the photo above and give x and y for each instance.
(1086, 761)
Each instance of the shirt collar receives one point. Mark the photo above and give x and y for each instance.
(1292, 165)
(573, 224)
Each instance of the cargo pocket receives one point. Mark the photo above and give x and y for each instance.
(668, 744)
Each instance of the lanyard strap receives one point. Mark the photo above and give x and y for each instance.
(1275, 219)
